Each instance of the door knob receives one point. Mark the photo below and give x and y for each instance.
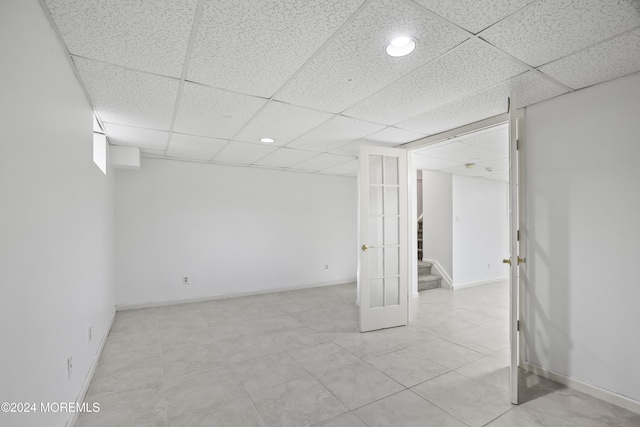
(521, 260)
(506, 261)
(365, 248)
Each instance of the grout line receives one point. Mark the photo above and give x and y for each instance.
(192, 40)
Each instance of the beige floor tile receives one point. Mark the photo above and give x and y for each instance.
(302, 402)
(127, 409)
(407, 368)
(291, 339)
(358, 384)
(269, 371)
(446, 353)
(367, 345)
(468, 401)
(488, 371)
(323, 357)
(239, 411)
(405, 409)
(348, 419)
(130, 374)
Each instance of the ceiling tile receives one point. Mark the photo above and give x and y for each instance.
(614, 58)
(389, 137)
(355, 65)
(530, 87)
(479, 106)
(144, 35)
(458, 152)
(150, 152)
(422, 162)
(496, 139)
(255, 46)
(469, 68)
(285, 157)
(348, 168)
(243, 153)
(323, 161)
(136, 137)
(217, 113)
(498, 165)
(476, 15)
(128, 97)
(549, 30)
(282, 122)
(194, 147)
(333, 133)
(464, 171)
(502, 177)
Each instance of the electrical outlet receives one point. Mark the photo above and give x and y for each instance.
(89, 333)
(70, 366)
(185, 280)
(326, 266)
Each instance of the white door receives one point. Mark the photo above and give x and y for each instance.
(514, 259)
(383, 269)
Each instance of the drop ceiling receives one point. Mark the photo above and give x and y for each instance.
(204, 80)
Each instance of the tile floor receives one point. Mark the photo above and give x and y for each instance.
(297, 359)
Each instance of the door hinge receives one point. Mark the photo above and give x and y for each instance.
(518, 238)
(517, 144)
(518, 326)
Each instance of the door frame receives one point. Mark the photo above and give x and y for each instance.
(515, 303)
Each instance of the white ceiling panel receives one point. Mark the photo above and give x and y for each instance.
(128, 97)
(194, 147)
(503, 177)
(469, 68)
(476, 15)
(151, 152)
(145, 35)
(323, 161)
(285, 157)
(333, 133)
(614, 58)
(256, 46)
(136, 137)
(348, 168)
(423, 162)
(282, 122)
(464, 171)
(549, 30)
(497, 165)
(390, 137)
(217, 113)
(458, 152)
(355, 65)
(479, 106)
(529, 88)
(243, 153)
(496, 139)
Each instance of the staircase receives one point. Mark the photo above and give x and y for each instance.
(426, 279)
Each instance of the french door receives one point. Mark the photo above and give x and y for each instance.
(383, 261)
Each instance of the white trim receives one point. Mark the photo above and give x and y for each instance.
(414, 307)
(87, 380)
(228, 296)
(458, 286)
(447, 281)
(592, 390)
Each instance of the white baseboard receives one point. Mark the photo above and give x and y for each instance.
(483, 282)
(87, 380)
(591, 390)
(446, 279)
(227, 296)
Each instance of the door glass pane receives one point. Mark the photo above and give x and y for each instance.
(375, 200)
(375, 231)
(376, 293)
(391, 264)
(391, 230)
(390, 170)
(391, 200)
(375, 262)
(392, 291)
(375, 169)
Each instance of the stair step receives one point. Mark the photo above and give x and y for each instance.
(429, 281)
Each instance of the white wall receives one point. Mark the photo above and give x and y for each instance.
(480, 230)
(231, 230)
(437, 234)
(57, 230)
(582, 233)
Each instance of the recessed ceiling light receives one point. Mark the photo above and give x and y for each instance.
(401, 46)
(470, 165)
(267, 140)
